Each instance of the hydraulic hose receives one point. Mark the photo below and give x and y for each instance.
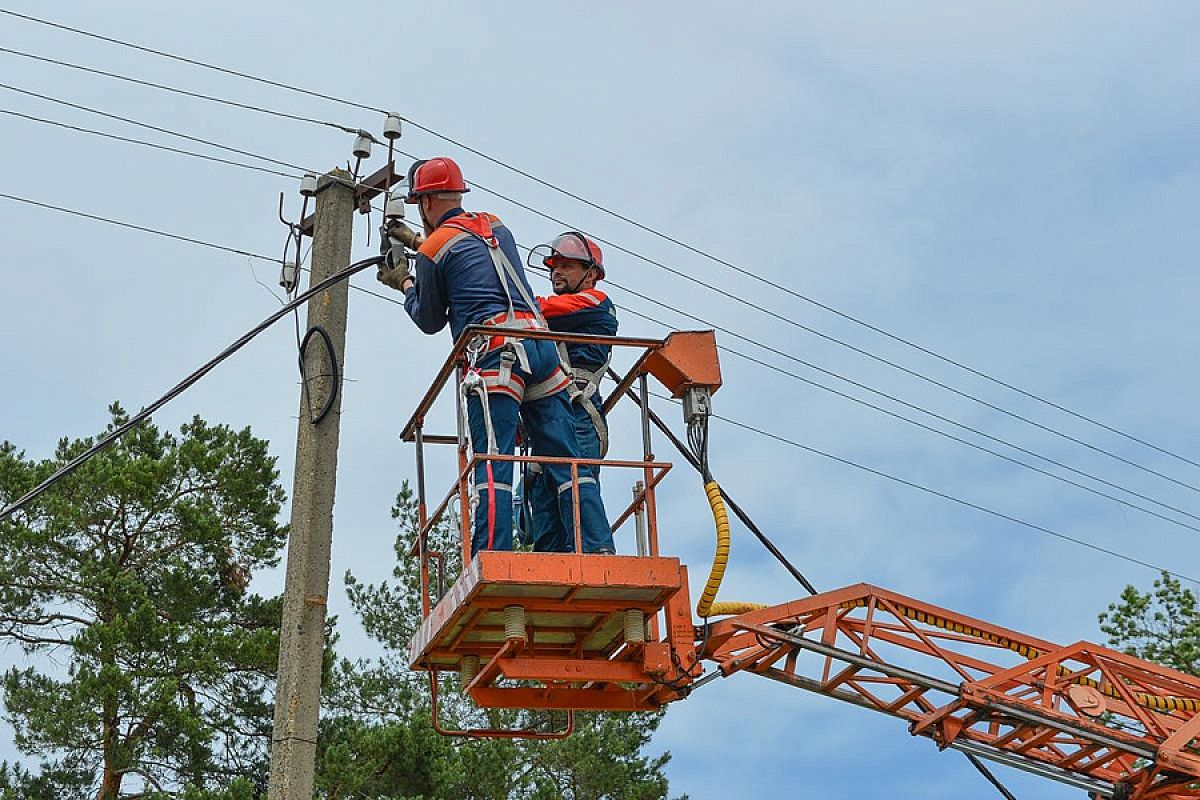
(1156, 702)
(706, 606)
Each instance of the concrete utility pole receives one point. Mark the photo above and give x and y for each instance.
(302, 636)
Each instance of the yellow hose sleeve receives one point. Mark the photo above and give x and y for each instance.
(706, 607)
(1157, 702)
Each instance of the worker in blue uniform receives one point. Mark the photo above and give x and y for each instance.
(577, 306)
(468, 273)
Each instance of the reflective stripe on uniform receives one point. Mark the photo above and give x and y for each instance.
(563, 487)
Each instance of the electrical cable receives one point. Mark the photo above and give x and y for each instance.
(144, 143)
(193, 62)
(733, 506)
(989, 775)
(254, 155)
(842, 343)
(186, 383)
(335, 373)
(617, 215)
(971, 444)
(176, 90)
(945, 496)
(652, 319)
(142, 228)
(922, 410)
(736, 423)
(155, 128)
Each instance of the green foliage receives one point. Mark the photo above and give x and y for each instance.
(1161, 626)
(127, 583)
(378, 740)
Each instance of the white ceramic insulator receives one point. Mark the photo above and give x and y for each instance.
(391, 126)
(362, 146)
(308, 184)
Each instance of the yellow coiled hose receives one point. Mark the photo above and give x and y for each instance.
(706, 607)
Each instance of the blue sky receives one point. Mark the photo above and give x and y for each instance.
(1012, 185)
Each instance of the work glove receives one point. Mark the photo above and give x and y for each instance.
(396, 276)
(393, 239)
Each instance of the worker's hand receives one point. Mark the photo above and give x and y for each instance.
(402, 234)
(396, 276)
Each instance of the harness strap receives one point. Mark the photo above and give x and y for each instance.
(557, 381)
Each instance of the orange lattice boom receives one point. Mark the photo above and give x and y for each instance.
(1082, 714)
(615, 633)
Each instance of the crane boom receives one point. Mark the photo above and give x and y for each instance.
(1081, 714)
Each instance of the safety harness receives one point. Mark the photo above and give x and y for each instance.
(502, 380)
(585, 384)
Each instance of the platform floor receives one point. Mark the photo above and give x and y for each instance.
(574, 605)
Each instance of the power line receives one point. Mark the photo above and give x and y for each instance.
(185, 384)
(362, 265)
(950, 497)
(726, 330)
(193, 62)
(155, 128)
(249, 254)
(177, 90)
(142, 228)
(654, 262)
(971, 444)
(648, 229)
(922, 410)
(143, 143)
(842, 343)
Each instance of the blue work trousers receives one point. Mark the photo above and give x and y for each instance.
(549, 533)
(550, 427)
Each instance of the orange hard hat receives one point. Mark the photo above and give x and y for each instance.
(439, 174)
(575, 246)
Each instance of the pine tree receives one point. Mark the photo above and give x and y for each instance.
(1161, 626)
(150, 664)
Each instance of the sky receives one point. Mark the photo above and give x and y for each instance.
(1010, 185)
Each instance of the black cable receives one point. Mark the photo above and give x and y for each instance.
(155, 128)
(951, 498)
(987, 773)
(176, 90)
(652, 319)
(967, 442)
(729, 501)
(840, 342)
(335, 373)
(922, 425)
(604, 209)
(144, 143)
(186, 383)
(767, 434)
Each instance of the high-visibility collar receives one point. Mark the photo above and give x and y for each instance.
(477, 224)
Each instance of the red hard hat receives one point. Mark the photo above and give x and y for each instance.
(435, 175)
(576, 247)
